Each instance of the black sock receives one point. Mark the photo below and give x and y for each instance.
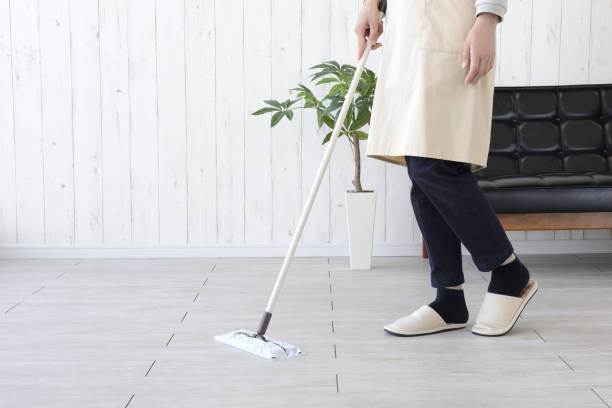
(450, 305)
(509, 279)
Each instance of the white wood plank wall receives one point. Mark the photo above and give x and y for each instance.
(127, 123)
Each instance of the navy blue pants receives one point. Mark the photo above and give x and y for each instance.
(451, 208)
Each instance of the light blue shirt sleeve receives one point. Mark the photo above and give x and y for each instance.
(497, 7)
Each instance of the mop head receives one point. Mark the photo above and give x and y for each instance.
(262, 346)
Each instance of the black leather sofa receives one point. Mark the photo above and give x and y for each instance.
(551, 150)
(550, 158)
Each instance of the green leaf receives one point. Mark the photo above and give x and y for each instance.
(362, 135)
(334, 64)
(310, 104)
(332, 107)
(347, 67)
(276, 118)
(327, 81)
(363, 117)
(304, 89)
(289, 114)
(320, 74)
(337, 89)
(287, 103)
(336, 99)
(264, 110)
(349, 117)
(321, 66)
(329, 121)
(274, 103)
(328, 72)
(363, 102)
(327, 137)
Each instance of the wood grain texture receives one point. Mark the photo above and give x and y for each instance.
(343, 48)
(229, 130)
(27, 112)
(8, 206)
(315, 44)
(200, 50)
(258, 141)
(56, 104)
(86, 122)
(545, 42)
(553, 221)
(172, 136)
(286, 142)
(116, 143)
(575, 41)
(144, 121)
(128, 123)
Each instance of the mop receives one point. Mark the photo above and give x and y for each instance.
(256, 342)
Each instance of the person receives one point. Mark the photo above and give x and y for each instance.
(431, 113)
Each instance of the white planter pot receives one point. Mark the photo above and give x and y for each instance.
(360, 212)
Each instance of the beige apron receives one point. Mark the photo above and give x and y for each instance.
(421, 106)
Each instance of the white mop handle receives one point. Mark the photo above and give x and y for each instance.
(315, 187)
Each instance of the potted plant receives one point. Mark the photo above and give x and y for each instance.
(360, 203)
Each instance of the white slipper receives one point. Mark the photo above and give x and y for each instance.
(424, 320)
(498, 313)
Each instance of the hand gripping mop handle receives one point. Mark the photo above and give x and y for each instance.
(265, 320)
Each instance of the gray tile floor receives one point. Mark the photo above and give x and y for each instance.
(139, 333)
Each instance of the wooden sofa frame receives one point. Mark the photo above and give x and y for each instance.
(551, 221)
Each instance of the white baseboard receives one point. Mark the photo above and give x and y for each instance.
(257, 251)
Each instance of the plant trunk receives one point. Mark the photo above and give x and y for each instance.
(357, 179)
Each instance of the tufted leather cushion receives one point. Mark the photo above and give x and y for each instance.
(551, 149)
